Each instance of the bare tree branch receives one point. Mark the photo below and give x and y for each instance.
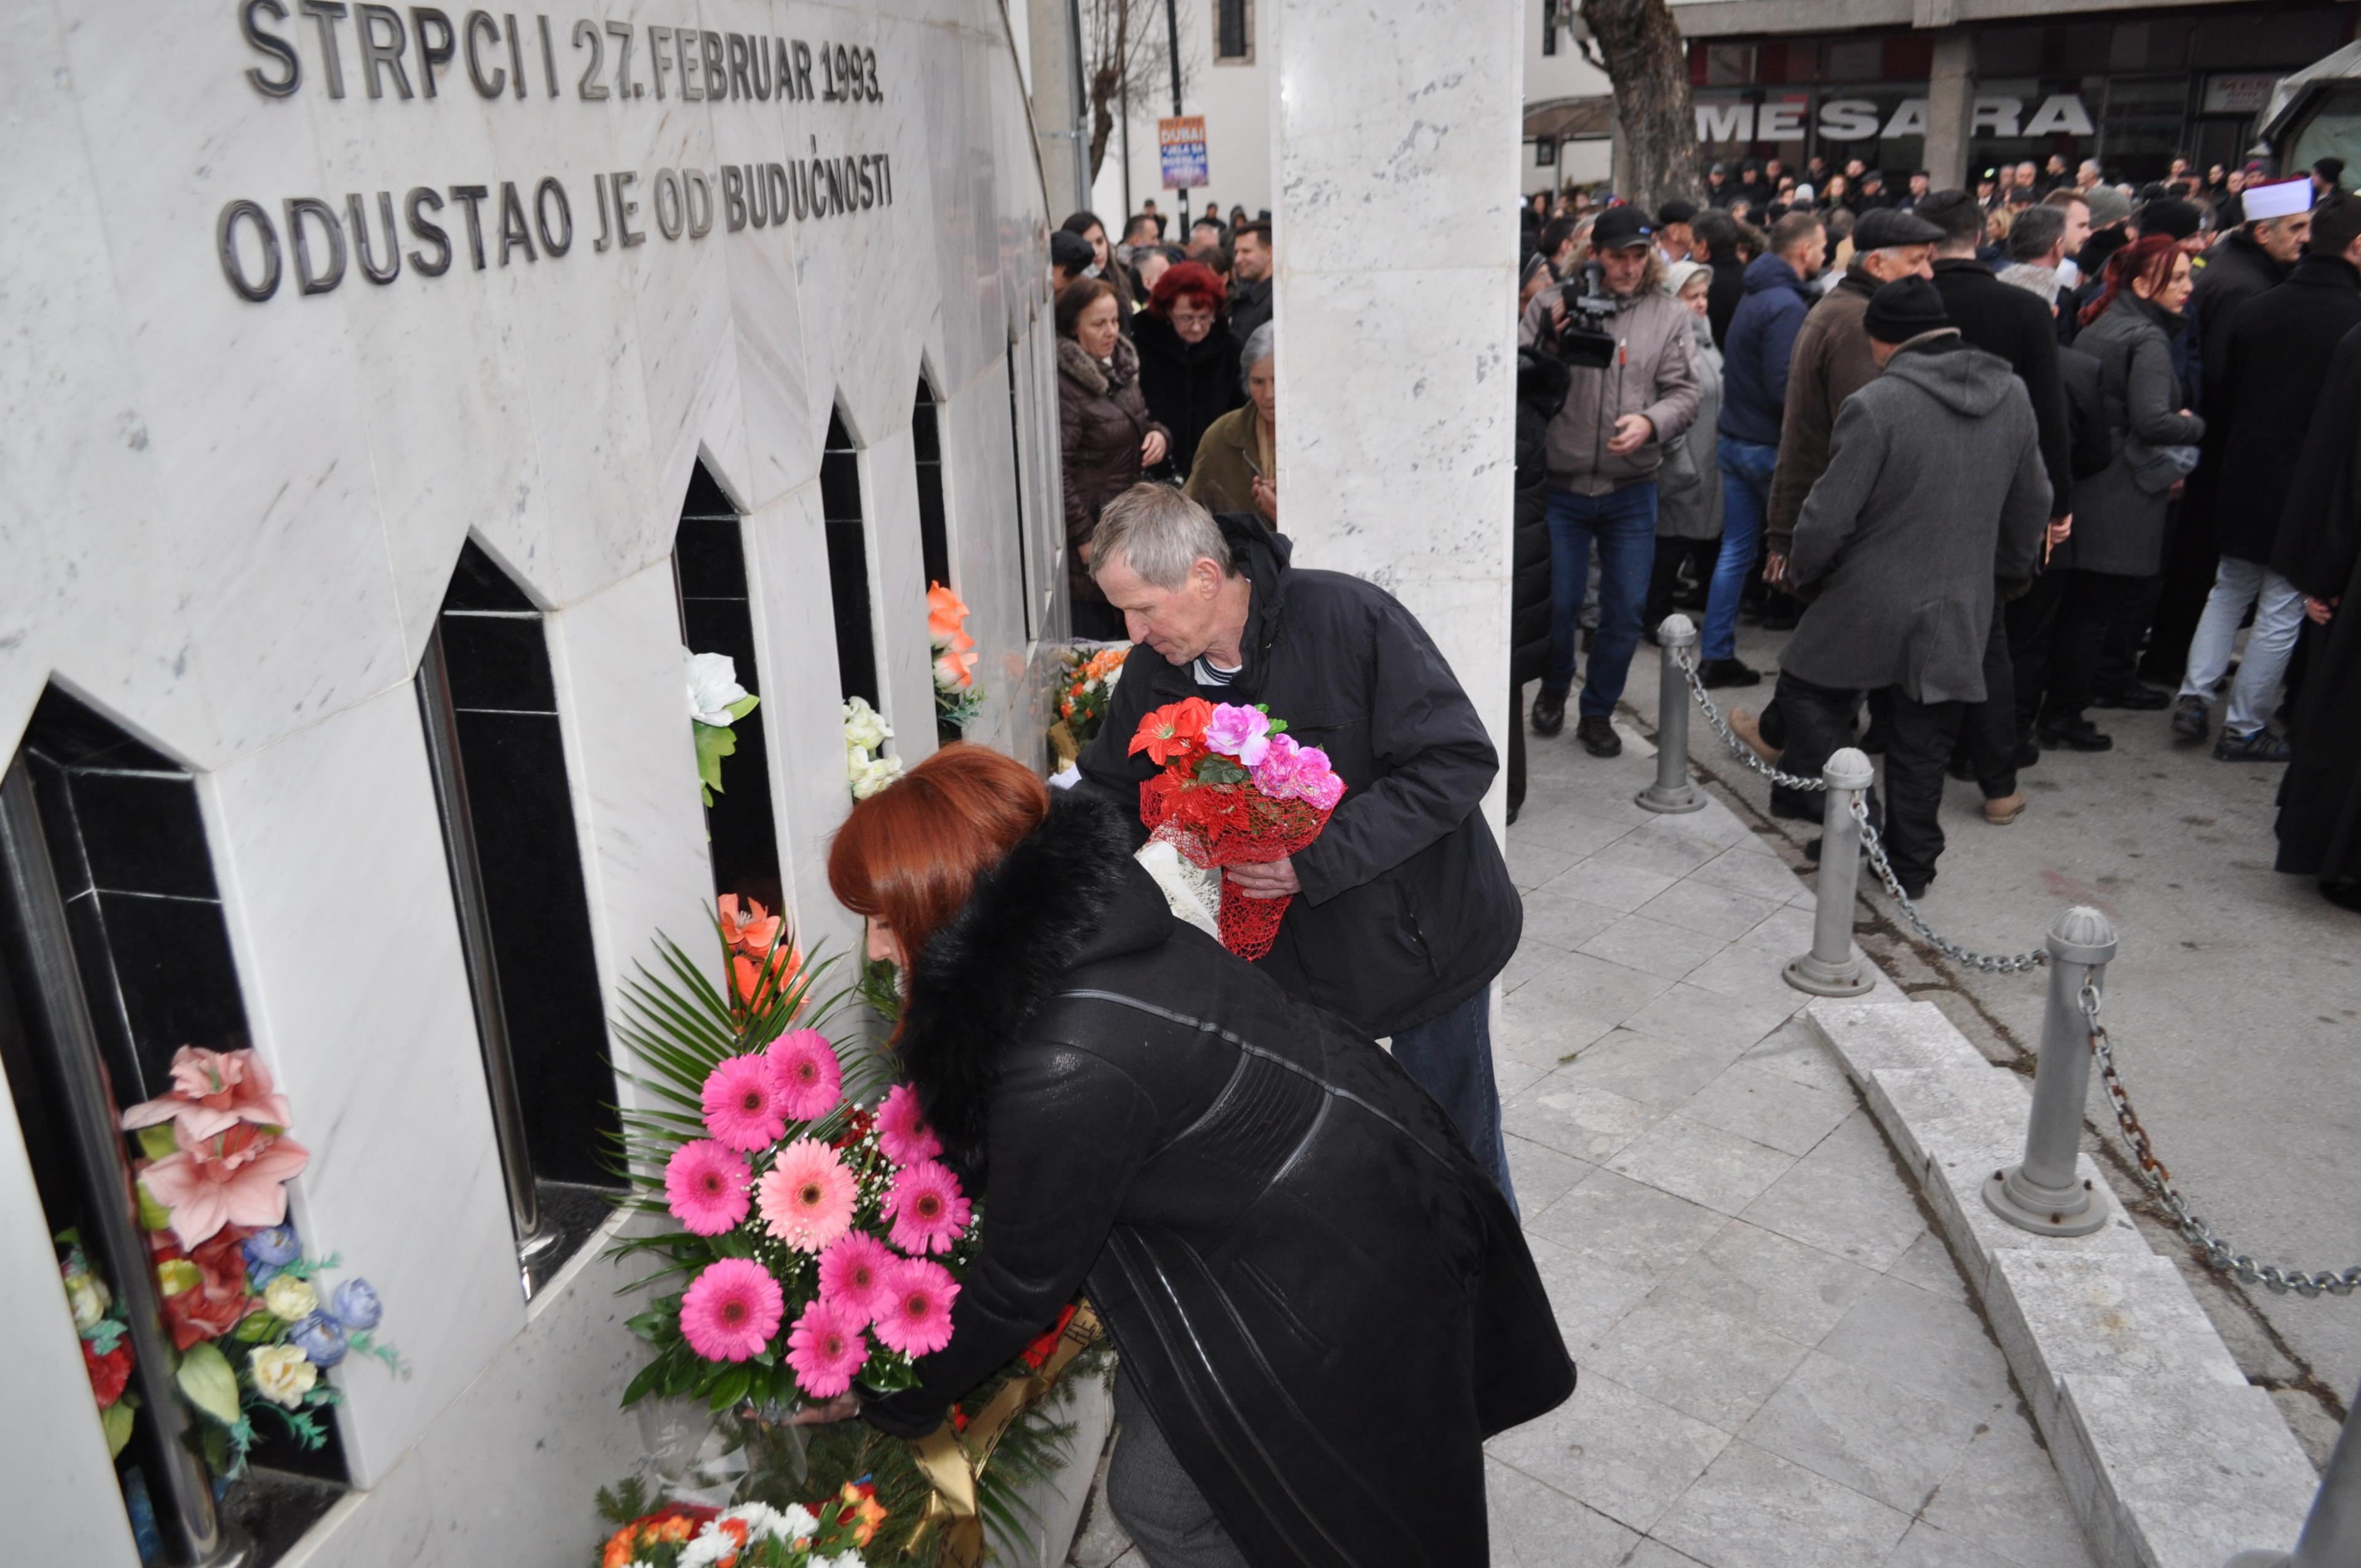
(1124, 55)
(1647, 60)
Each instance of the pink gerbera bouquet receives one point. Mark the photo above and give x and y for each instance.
(815, 1238)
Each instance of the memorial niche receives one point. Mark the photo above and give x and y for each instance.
(709, 567)
(848, 564)
(1016, 482)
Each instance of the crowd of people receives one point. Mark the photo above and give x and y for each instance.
(1866, 396)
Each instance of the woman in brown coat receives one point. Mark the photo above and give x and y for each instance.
(1107, 436)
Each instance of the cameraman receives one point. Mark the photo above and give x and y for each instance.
(1632, 390)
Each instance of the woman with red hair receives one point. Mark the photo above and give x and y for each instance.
(1188, 359)
(2116, 551)
(1288, 1240)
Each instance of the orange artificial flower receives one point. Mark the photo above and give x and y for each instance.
(863, 1512)
(1173, 731)
(945, 615)
(748, 929)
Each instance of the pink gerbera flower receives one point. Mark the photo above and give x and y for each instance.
(731, 1310)
(706, 1186)
(807, 1199)
(926, 1207)
(742, 1105)
(826, 1347)
(917, 1319)
(804, 1074)
(902, 1130)
(856, 1271)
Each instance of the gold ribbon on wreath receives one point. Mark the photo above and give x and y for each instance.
(953, 1462)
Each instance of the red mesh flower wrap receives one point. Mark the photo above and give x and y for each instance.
(1235, 790)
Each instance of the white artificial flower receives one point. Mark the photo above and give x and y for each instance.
(281, 1374)
(710, 1547)
(856, 763)
(841, 1560)
(88, 1295)
(291, 1299)
(863, 726)
(761, 1519)
(800, 1520)
(712, 687)
(877, 776)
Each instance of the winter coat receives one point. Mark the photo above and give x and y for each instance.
(2233, 272)
(1221, 478)
(1540, 387)
(1102, 420)
(1188, 385)
(2093, 444)
(1688, 489)
(2274, 363)
(1832, 361)
(2319, 549)
(2011, 322)
(1652, 375)
(1250, 306)
(1407, 909)
(2119, 526)
(1725, 292)
(1934, 487)
(1757, 349)
(1291, 1246)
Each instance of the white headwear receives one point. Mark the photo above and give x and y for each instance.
(2277, 199)
(1803, 193)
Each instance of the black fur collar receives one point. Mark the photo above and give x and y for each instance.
(993, 964)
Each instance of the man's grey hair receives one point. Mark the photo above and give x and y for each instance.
(1160, 533)
(1260, 345)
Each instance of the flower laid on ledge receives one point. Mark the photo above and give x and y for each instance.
(866, 767)
(957, 699)
(1090, 678)
(830, 1534)
(715, 702)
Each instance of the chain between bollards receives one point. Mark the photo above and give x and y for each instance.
(1673, 792)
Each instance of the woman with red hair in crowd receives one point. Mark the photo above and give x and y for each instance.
(1188, 359)
(1292, 1246)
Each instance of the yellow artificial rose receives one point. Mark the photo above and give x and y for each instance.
(281, 1374)
(89, 1296)
(291, 1299)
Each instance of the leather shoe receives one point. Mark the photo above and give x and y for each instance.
(1727, 672)
(2006, 809)
(1748, 728)
(1597, 736)
(2141, 698)
(1549, 712)
(2082, 735)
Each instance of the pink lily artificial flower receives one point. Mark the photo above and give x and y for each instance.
(1239, 732)
(238, 1178)
(211, 1092)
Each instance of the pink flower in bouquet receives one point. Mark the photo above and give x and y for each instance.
(236, 1178)
(917, 1319)
(706, 1186)
(826, 1347)
(731, 1310)
(1275, 774)
(929, 1211)
(902, 1130)
(856, 1273)
(1315, 781)
(805, 1078)
(742, 1105)
(1239, 732)
(211, 1092)
(807, 1200)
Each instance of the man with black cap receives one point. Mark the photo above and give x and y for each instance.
(1674, 240)
(1872, 194)
(1717, 188)
(1933, 491)
(1071, 258)
(1602, 450)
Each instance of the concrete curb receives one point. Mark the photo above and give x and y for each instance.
(2170, 1458)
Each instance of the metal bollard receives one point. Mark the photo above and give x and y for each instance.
(2331, 1535)
(2043, 1194)
(1673, 792)
(1834, 967)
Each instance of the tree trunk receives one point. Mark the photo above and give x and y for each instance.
(1647, 60)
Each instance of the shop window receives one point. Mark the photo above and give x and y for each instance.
(1233, 31)
(1549, 26)
(717, 616)
(848, 564)
(489, 706)
(1016, 482)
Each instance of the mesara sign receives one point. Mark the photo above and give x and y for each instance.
(1861, 119)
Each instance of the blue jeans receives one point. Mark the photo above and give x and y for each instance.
(1623, 526)
(1745, 500)
(1451, 1059)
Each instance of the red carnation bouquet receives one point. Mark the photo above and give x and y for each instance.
(1235, 790)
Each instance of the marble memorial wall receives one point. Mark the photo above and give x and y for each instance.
(304, 299)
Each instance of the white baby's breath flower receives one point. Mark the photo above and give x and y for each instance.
(712, 687)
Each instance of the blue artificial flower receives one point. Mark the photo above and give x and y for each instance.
(321, 1339)
(356, 1306)
(269, 1250)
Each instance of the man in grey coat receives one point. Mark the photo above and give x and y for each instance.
(1934, 489)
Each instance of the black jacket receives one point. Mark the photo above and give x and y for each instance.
(1541, 390)
(2235, 270)
(2319, 551)
(1294, 1250)
(1188, 385)
(1723, 295)
(1407, 909)
(2274, 363)
(1250, 306)
(2010, 322)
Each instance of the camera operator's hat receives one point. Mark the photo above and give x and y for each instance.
(1621, 228)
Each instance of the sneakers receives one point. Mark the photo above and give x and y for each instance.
(2262, 746)
(2138, 697)
(1748, 728)
(2080, 735)
(1597, 736)
(2005, 810)
(1727, 672)
(2189, 721)
(1549, 712)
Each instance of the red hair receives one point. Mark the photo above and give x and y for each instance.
(2148, 258)
(909, 854)
(1185, 280)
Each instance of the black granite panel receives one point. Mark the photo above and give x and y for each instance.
(499, 662)
(477, 583)
(143, 834)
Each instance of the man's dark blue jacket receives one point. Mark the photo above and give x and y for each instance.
(1761, 340)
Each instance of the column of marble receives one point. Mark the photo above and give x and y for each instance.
(1395, 147)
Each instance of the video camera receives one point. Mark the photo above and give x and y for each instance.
(1582, 340)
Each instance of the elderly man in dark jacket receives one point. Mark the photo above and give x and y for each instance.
(2274, 365)
(1934, 489)
(1403, 908)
